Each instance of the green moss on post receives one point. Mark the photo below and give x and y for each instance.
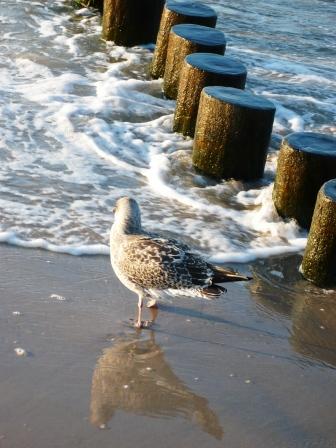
(232, 134)
(175, 13)
(183, 40)
(306, 160)
(131, 22)
(198, 71)
(319, 260)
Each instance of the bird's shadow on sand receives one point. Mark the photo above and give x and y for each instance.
(183, 311)
(196, 314)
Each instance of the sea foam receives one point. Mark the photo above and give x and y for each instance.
(83, 124)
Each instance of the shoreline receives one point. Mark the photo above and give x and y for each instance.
(240, 258)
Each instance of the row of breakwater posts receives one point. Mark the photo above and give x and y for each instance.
(231, 127)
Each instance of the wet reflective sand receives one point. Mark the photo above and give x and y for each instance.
(254, 369)
(312, 311)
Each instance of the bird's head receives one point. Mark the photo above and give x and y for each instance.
(127, 215)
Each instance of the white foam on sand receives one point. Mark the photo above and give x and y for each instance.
(19, 351)
(82, 124)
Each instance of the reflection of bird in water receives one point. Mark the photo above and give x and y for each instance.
(144, 262)
(134, 376)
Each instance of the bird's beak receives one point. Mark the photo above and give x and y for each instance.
(114, 210)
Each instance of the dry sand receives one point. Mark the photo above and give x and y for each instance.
(254, 369)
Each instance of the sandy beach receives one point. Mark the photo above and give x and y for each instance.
(254, 369)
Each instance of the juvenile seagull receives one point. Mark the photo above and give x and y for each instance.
(145, 262)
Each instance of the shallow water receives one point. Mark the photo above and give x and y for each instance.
(81, 124)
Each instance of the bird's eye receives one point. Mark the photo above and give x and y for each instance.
(114, 210)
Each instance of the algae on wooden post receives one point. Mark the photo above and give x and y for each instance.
(183, 40)
(198, 71)
(232, 134)
(175, 13)
(131, 22)
(319, 260)
(306, 160)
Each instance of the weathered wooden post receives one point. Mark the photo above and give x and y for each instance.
(175, 13)
(232, 134)
(319, 260)
(306, 160)
(131, 22)
(183, 40)
(198, 71)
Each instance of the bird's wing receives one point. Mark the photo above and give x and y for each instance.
(162, 264)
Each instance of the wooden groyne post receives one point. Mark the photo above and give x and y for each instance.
(183, 40)
(232, 134)
(306, 160)
(175, 13)
(131, 22)
(198, 71)
(319, 260)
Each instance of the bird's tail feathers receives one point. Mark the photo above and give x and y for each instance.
(222, 275)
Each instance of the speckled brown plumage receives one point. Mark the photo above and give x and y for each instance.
(161, 264)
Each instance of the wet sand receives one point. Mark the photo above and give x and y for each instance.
(254, 369)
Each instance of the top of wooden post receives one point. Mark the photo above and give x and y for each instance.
(330, 189)
(216, 63)
(239, 98)
(190, 8)
(312, 142)
(201, 35)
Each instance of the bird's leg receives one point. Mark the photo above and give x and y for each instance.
(154, 313)
(138, 323)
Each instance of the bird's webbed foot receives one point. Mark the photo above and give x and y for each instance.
(139, 323)
(145, 324)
